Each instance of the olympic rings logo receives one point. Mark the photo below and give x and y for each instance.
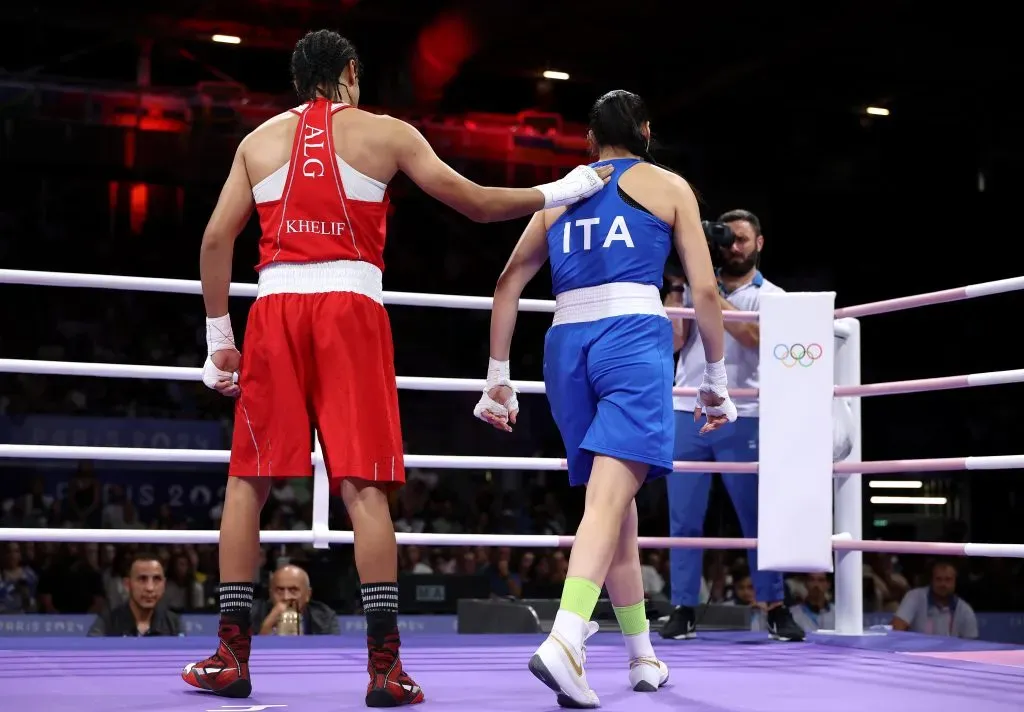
(795, 354)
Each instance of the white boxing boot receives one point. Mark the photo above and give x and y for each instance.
(559, 661)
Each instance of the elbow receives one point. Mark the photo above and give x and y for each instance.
(704, 293)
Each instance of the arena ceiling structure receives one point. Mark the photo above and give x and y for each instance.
(837, 96)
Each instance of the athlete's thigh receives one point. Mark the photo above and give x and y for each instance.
(355, 396)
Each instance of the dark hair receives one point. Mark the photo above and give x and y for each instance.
(734, 215)
(616, 119)
(142, 557)
(318, 60)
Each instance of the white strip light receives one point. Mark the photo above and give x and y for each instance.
(895, 484)
(908, 500)
(227, 39)
(877, 111)
(556, 75)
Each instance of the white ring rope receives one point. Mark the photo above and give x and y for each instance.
(478, 462)
(425, 383)
(840, 542)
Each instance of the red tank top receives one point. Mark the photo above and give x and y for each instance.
(314, 220)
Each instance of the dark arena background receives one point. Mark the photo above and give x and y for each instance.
(879, 144)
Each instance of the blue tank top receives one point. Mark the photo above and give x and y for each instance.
(605, 239)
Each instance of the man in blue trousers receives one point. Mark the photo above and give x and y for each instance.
(741, 287)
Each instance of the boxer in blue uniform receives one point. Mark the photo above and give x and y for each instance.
(608, 373)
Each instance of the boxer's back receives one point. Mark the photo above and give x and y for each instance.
(319, 175)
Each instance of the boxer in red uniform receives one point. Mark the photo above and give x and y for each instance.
(318, 351)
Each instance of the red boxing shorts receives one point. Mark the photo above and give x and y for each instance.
(324, 361)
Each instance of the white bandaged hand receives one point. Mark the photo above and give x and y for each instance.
(581, 182)
(497, 375)
(219, 337)
(715, 383)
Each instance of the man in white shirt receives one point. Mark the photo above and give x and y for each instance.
(741, 286)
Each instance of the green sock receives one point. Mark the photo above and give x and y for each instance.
(579, 596)
(632, 619)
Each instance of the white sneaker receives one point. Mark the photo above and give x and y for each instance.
(559, 665)
(647, 674)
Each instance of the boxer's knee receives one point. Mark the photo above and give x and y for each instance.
(250, 490)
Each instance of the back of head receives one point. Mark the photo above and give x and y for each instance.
(617, 119)
(318, 62)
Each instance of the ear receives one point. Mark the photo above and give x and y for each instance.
(591, 141)
(645, 130)
(760, 242)
(352, 73)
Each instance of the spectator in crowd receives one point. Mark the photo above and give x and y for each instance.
(18, 581)
(936, 609)
(144, 614)
(184, 592)
(741, 285)
(816, 612)
(290, 590)
(72, 582)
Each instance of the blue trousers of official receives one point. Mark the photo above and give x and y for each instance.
(688, 502)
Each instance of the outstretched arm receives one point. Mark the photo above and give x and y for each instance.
(417, 159)
(499, 405)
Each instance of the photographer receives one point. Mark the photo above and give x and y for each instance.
(736, 243)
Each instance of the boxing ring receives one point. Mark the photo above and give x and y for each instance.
(843, 670)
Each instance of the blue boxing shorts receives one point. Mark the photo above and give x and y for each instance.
(609, 385)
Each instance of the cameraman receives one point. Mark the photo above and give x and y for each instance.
(736, 243)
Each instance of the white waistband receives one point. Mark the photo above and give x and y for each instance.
(320, 277)
(607, 300)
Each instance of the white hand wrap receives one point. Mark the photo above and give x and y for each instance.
(715, 382)
(497, 375)
(581, 182)
(219, 337)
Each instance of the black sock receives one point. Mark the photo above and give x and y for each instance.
(236, 602)
(380, 604)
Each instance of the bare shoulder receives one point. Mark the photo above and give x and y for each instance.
(268, 129)
(673, 181)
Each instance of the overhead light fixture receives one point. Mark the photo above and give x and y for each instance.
(877, 111)
(556, 75)
(227, 39)
(908, 500)
(895, 484)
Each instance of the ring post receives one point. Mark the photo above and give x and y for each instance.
(849, 565)
(321, 498)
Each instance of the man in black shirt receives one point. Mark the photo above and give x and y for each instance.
(143, 614)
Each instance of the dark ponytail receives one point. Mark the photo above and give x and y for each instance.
(318, 61)
(616, 119)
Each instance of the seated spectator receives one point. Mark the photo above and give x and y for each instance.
(290, 590)
(145, 613)
(936, 609)
(17, 581)
(816, 612)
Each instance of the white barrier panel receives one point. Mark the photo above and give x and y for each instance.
(794, 524)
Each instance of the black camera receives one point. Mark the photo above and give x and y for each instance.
(720, 237)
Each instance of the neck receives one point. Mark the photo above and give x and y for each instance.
(731, 282)
(607, 153)
(141, 615)
(940, 600)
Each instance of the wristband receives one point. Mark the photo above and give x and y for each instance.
(498, 373)
(219, 335)
(716, 371)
